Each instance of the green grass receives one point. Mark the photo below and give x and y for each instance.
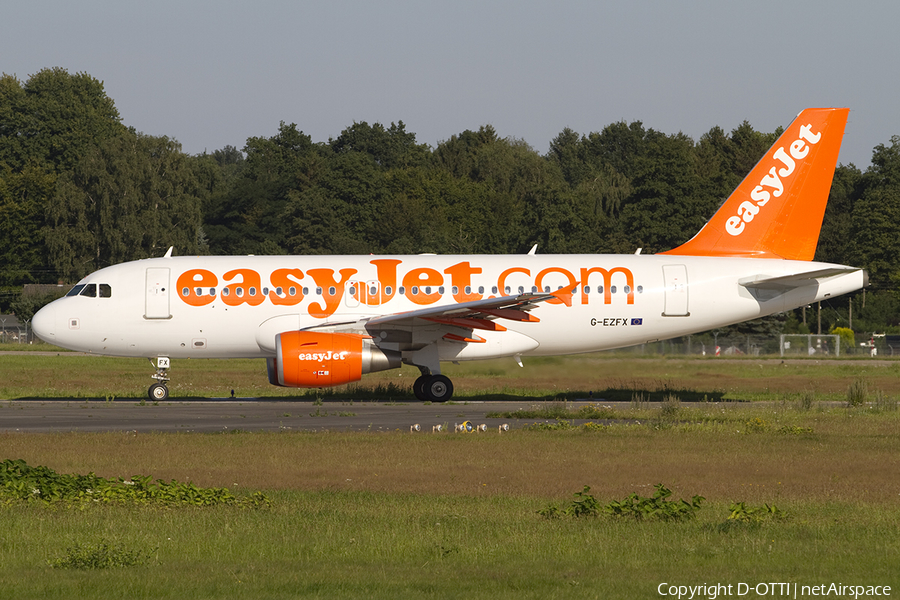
(400, 515)
(379, 545)
(598, 376)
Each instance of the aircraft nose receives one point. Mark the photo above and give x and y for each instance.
(43, 323)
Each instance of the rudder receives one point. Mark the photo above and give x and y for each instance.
(777, 210)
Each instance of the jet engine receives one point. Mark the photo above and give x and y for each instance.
(320, 359)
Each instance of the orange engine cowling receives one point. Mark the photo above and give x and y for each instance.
(319, 359)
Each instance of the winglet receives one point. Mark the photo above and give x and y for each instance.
(777, 211)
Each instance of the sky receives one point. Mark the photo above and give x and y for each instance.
(212, 74)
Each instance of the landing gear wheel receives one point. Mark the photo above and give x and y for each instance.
(438, 388)
(158, 391)
(419, 387)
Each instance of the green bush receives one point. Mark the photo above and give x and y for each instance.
(640, 508)
(24, 483)
(100, 556)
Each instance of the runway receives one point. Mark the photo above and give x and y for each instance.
(244, 414)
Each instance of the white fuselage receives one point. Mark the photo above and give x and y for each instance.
(234, 306)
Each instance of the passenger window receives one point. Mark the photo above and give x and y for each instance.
(480, 289)
(387, 290)
(640, 289)
(612, 289)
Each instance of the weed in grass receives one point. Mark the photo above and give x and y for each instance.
(640, 508)
(756, 425)
(883, 403)
(669, 410)
(637, 400)
(805, 401)
(557, 425)
(101, 555)
(795, 430)
(740, 512)
(857, 393)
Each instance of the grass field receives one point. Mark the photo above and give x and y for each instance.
(612, 376)
(402, 516)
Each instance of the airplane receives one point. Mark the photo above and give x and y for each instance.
(323, 321)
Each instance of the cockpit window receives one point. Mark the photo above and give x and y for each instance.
(90, 290)
(76, 290)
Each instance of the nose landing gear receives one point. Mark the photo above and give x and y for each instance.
(158, 391)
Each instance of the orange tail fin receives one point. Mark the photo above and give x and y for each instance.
(777, 211)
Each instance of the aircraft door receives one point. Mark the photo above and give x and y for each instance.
(676, 283)
(157, 295)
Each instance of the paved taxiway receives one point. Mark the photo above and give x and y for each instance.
(244, 414)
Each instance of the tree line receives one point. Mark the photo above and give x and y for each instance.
(80, 190)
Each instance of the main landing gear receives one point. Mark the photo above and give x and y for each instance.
(436, 388)
(158, 391)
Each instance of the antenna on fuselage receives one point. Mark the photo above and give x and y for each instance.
(533, 250)
(169, 252)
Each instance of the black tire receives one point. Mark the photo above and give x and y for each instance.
(419, 387)
(439, 388)
(158, 392)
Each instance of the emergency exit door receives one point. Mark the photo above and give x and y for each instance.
(676, 283)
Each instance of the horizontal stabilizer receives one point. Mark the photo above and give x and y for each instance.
(787, 282)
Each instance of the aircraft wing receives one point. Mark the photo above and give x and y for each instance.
(442, 320)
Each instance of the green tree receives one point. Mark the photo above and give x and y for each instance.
(875, 221)
(130, 197)
(22, 198)
(53, 118)
(251, 214)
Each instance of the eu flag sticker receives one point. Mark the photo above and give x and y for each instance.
(637, 321)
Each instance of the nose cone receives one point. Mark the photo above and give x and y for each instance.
(44, 323)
